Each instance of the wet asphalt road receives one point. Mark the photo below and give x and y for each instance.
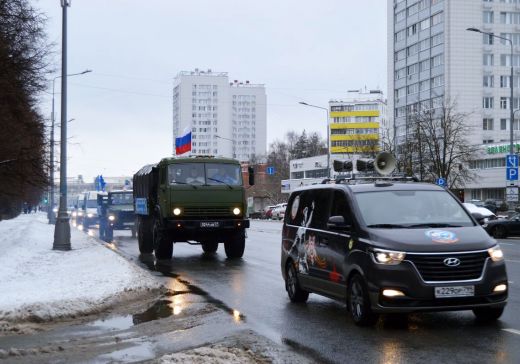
(322, 328)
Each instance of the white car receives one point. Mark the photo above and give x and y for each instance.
(488, 215)
(279, 211)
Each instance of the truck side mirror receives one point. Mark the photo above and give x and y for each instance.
(251, 172)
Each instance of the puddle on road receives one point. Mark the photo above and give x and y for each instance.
(164, 269)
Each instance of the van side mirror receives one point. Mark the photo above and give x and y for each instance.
(251, 172)
(337, 223)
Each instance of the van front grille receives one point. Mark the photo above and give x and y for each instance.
(433, 268)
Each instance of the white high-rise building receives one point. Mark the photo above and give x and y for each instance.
(432, 58)
(226, 118)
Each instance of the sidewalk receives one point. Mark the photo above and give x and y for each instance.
(40, 284)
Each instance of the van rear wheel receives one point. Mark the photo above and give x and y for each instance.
(358, 302)
(292, 285)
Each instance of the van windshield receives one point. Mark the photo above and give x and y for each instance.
(410, 209)
(122, 198)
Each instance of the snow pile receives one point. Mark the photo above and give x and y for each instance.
(38, 283)
(212, 355)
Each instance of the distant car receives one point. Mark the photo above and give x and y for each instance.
(502, 228)
(279, 211)
(487, 215)
(268, 212)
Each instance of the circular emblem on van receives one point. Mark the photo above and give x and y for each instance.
(442, 236)
(451, 262)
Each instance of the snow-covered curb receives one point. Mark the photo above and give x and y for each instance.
(38, 283)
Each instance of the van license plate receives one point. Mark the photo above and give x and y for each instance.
(209, 224)
(456, 291)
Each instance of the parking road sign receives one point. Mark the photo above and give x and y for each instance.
(512, 174)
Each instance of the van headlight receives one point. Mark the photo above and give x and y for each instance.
(177, 211)
(496, 254)
(111, 217)
(80, 213)
(388, 257)
(90, 215)
(236, 211)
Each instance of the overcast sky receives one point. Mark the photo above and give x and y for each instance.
(302, 50)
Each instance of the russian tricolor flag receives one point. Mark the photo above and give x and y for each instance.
(183, 143)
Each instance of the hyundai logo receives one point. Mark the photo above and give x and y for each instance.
(451, 262)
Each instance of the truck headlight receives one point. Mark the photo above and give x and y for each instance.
(389, 257)
(89, 215)
(80, 213)
(236, 211)
(177, 211)
(111, 217)
(496, 253)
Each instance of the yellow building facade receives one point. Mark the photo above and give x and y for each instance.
(357, 124)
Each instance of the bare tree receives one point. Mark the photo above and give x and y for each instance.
(438, 146)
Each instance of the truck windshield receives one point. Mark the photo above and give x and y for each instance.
(205, 174)
(411, 209)
(122, 199)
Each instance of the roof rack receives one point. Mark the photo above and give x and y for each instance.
(377, 179)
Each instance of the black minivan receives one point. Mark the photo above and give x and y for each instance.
(390, 247)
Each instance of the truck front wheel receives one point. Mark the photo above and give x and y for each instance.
(235, 245)
(145, 236)
(162, 242)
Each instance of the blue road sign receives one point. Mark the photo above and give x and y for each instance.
(512, 174)
(441, 182)
(512, 161)
(270, 170)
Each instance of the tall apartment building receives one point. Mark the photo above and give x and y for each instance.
(357, 123)
(433, 58)
(226, 118)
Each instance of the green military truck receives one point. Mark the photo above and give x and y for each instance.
(199, 200)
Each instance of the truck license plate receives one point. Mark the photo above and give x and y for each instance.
(209, 224)
(456, 291)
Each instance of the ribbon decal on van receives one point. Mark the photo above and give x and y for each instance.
(442, 236)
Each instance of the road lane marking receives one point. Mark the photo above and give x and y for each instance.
(512, 331)
(506, 244)
(512, 261)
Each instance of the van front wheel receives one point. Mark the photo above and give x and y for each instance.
(358, 302)
(487, 314)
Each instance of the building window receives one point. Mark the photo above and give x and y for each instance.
(503, 124)
(424, 65)
(437, 39)
(401, 35)
(509, 18)
(437, 60)
(487, 124)
(504, 103)
(437, 18)
(487, 102)
(412, 89)
(488, 39)
(487, 17)
(488, 81)
(413, 69)
(437, 81)
(487, 59)
(411, 30)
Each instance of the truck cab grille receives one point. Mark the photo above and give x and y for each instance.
(201, 212)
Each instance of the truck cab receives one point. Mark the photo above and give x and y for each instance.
(116, 212)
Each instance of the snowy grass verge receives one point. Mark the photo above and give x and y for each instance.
(41, 284)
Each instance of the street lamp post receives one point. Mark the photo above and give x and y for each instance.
(62, 227)
(50, 212)
(511, 146)
(328, 136)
